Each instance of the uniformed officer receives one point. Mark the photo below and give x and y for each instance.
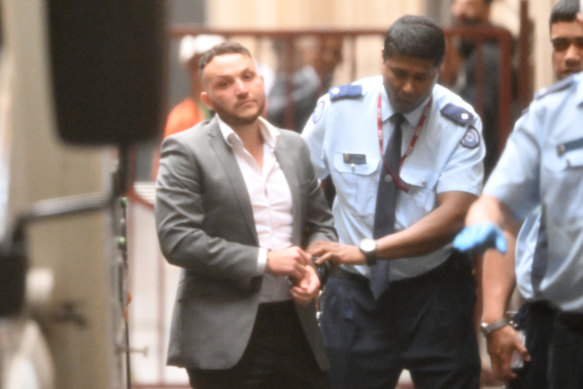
(400, 299)
(543, 164)
(535, 317)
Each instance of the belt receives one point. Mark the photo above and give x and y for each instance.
(570, 319)
(452, 261)
(338, 272)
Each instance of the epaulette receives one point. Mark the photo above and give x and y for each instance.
(556, 87)
(348, 91)
(457, 114)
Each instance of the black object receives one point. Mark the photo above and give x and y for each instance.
(13, 268)
(108, 69)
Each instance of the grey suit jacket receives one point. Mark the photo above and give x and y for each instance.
(205, 225)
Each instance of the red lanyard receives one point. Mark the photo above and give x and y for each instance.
(402, 185)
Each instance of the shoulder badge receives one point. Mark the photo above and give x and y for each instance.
(556, 87)
(457, 114)
(471, 139)
(345, 91)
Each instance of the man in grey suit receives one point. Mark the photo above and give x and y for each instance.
(237, 199)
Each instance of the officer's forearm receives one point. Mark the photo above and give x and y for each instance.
(498, 281)
(431, 232)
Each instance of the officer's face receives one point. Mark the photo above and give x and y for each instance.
(233, 89)
(408, 81)
(567, 41)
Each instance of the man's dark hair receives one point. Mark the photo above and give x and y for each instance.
(488, 2)
(564, 11)
(415, 36)
(227, 47)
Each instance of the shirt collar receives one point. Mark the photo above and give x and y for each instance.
(412, 117)
(579, 80)
(269, 133)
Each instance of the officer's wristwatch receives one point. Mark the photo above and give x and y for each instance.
(487, 329)
(369, 248)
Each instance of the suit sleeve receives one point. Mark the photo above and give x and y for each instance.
(319, 224)
(180, 218)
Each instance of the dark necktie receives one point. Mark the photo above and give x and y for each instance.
(387, 192)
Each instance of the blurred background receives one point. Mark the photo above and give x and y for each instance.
(102, 308)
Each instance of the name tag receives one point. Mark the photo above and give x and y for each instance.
(356, 159)
(568, 146)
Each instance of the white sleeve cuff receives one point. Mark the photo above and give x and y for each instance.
(261, 260)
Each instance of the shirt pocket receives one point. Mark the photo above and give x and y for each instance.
(562, 185)
(421, 197)
(357, 183)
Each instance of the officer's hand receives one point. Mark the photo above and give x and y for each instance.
(290, 261)
(337, 253)
(480, 237)
(502, 344)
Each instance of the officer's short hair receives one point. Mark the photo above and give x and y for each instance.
(227, 47)
(564, 11)
(415, 36)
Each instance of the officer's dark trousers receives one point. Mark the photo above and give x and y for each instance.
(555, 343)
(424, 324)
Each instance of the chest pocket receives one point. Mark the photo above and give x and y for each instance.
(421, 198)
(562, 182)
(573, 160)
(358, 181)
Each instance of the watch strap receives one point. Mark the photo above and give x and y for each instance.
(487, 329)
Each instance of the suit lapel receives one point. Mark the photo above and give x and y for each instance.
(229, 163)
(289, 165)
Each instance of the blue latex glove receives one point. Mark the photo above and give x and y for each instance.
(480, 237)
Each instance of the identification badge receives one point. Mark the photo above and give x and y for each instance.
(356, 159)
(471, 139)
(570, 145)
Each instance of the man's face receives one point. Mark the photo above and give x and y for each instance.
(470, 12)
(567, 41)
(233, 89)
(408, 81)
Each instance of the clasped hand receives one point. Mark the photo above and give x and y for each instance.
(296, 264)
(502, 344)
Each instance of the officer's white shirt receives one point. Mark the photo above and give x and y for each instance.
(525, 249)
(543, 164)
(526, 242)
(439, 163)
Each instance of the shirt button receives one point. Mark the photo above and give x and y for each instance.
(388, 178)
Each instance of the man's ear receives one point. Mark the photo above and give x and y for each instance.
(204, 97)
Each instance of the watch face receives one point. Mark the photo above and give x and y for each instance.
(368, 245)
